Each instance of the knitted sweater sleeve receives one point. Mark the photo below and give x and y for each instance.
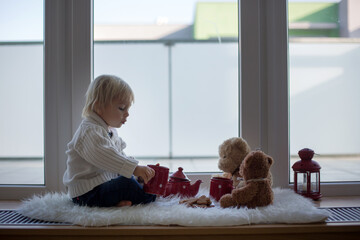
(95, 147)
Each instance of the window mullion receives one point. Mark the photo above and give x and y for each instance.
(82, 55)
(68, 72)
(57, 91)
(264, 110)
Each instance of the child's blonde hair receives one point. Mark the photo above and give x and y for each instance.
(103, 90)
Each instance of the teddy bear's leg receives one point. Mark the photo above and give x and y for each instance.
(227, 201)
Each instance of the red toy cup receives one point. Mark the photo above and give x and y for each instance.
(157, 184)
(220, 186)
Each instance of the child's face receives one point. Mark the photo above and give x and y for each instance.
(115, 114)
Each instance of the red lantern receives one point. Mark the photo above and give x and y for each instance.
(307, 175)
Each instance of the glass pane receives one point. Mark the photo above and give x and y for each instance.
(147, 130)
(21, 92)
(302, 182)
(181, 59)
(324, 49)
(205, 87)
(314, 182)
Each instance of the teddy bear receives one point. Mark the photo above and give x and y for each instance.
(257, 190)
(232, 152)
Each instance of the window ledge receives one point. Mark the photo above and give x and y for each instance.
(273, 231)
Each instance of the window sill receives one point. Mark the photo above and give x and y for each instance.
(273, 231)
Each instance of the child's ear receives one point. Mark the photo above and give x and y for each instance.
(97, 109)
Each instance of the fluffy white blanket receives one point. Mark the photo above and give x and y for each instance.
(288, 207)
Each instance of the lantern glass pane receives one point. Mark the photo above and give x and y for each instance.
(301, 182)
(315, 181)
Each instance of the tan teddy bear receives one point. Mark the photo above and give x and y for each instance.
(232, 152)
(257, 191)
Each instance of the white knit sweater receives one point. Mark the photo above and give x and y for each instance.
(94, 157)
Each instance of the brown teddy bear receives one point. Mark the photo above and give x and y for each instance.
(232, 152)
(257, 191)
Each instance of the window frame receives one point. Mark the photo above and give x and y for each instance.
(264, 45)
(263, 88)
(264, 74)
(67, 73)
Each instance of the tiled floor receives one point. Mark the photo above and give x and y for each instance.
(333, 169)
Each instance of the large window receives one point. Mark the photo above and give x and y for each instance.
(40, 99)
(181, 59)
(324, 51)
(259, 94)
(21, 92)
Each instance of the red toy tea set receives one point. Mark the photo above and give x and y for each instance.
(220, 186)
(179, 184)
(158, 183)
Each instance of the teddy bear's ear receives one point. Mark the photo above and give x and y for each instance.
(270, 160)
(241, 144)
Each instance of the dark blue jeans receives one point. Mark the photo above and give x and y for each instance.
(110, 193)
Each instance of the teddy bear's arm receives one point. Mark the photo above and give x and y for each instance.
(245, 194)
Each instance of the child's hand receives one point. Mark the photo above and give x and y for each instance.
(144, 172)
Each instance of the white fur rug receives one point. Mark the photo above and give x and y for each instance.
(288, 207)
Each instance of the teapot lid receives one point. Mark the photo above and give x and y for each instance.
(179, 175)
(158, 167)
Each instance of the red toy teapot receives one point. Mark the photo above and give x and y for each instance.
(158, 183)
(179, 184)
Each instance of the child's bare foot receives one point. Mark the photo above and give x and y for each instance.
(124, 204)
